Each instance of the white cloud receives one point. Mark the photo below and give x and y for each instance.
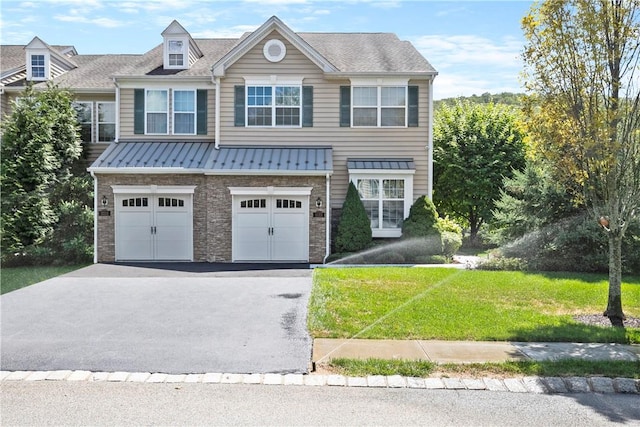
(470, 65)
(224, 33)
(100, 22)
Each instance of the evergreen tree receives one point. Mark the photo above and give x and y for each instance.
(354, 228)
(40, 143)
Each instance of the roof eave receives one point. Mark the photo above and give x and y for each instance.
(422, 75)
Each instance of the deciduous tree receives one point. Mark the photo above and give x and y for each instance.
(475, 147)
(582, 60)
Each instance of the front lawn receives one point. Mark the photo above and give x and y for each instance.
(18, 277)
(449, 304)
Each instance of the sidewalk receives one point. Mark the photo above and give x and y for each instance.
(468, 351)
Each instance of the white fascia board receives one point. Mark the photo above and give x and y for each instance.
(273, 80)
(153, 189)
(270, 191)
(133, 82)
(144, 171)
(372, 172)
(372, 75)
(270, 173)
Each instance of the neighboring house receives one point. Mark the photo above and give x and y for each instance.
(242, 149)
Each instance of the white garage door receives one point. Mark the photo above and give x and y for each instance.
(154, 227)
(271, 228)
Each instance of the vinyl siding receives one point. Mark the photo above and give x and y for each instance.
(326, 130)
(126, 116)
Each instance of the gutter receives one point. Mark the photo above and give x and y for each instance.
(95, 217)
(327, 220)
(217, 113)
(430, 142)
(117, 109)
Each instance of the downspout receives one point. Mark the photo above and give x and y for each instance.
(430, 143)
(117, 109)
(327, 221)
(217, 130)
(95, 217)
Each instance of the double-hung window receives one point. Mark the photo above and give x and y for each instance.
(84, 113)
(176, 53)
(156, 111)
(38, 70)
(385, 187)
(379, 106)
(274, 106)
(106, 121)
(383, 199)
(184, 112)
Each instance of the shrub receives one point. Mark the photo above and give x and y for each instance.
(354, 228)
(451, 242)
(446, 224)
(499, 263)
(422, 219)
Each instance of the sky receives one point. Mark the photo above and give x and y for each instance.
(474, 45)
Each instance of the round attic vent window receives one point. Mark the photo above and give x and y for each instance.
(274, 50)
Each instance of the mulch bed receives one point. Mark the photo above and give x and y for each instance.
(600, 320)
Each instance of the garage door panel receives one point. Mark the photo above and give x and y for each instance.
(158, 230)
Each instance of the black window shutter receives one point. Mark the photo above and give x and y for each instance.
(201, 101)
(307, 106)
(239, 105)
(345, 106)
(138, 111)
(413, 106)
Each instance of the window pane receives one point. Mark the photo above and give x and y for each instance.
(107, 112)
(157, 100)
(287, 116)
(157, 123)
(368, 188)
(184, 100)
(259, 95)
(392, 213)
(288, 95)
(365, 96)
(393, 96)
(37, 65)
(106, 132)
(184, 123)
(259, 116)
(371, 206)
(393, 188)
(365, 116)
(392, 117)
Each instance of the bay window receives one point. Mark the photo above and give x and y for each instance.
(385, 187)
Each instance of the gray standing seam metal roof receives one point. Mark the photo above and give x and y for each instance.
(396, 164)
(203, 155)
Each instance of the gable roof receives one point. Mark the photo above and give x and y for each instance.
(247, 43)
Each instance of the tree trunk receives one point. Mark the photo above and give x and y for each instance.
(614, 304)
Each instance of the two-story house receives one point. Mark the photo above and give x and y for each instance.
(242, 149)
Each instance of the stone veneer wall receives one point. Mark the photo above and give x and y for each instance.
(212, 210)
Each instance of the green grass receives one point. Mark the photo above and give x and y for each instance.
(561, 368)
(449, 304)
(18, 277)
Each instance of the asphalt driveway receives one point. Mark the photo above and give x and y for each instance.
(154, 318)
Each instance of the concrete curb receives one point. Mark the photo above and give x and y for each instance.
(540, 385)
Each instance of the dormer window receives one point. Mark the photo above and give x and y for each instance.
(37, 67)
(176, 53)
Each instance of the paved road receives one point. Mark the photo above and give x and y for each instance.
(115, 318)
(85, 403)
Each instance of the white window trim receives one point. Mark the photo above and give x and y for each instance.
(98, 122)
(406, 175)
(185, 53)
(379, 106)
(147, 111)
(195, 111)
(153, 189)
(47, 65)
(273, 86)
